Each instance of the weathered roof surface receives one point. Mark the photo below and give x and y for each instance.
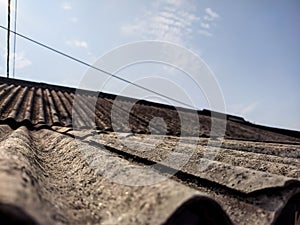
(45, 173)
(38, 104)
(53, 174)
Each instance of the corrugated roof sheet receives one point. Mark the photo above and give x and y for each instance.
(49, 105)
(49, 177)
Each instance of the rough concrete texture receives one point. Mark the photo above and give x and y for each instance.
(49, 177)
(46, 175)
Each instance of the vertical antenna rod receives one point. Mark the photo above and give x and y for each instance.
(15, 42)
(8, 33)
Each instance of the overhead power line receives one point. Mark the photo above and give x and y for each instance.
(15, 37)
(8, 37)
(96, 68)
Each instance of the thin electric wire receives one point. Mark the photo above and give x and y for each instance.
(8, 38)
(15, 38)
(98, 69)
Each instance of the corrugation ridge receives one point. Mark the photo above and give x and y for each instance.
(104, 107)
(68, 104)
(117, 122)
(261, 156)
(86, 114)
(106, 102)
(39, 101)
(21, 109)
(36, 106)
(240, 152)
(100, 122)
(171, 117)
(141, 120)
(53, 113)
(8, 101)
(89, 109)
(136, 122)
(5, 131)
(16, 111)
(30, 106)
(29, 173)
(235, 177)
(67, 107)
(5, 90)
(250, 161)
(61, 110)
(78, 122)
(121, 114)
(100, 118)
(260, 164)
(46, 108)
(2, 89)
(294, 153)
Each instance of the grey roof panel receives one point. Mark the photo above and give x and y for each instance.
(49, 177)
(53, 184)
(233, 176)
(50, 105)
(44, 173)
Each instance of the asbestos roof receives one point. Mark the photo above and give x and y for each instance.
(53, 173)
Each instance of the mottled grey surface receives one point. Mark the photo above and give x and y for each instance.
(39, 105)
(48, 176)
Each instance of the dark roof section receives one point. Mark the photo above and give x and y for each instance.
(38, 104)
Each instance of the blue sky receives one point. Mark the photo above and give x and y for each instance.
(251, 46)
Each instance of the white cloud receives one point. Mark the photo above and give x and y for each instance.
(249, 108)
(77, 43)
(205, 33)
(165, 21)
(213, 15)
(176, 3)
(20, 60)
(205, 25)
(67, 6)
